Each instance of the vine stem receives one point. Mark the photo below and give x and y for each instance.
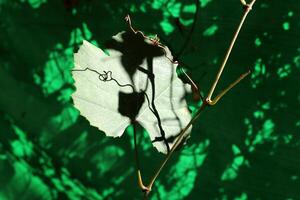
(208, 101)
(248, 7)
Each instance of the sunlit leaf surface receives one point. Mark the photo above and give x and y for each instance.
(134, 81)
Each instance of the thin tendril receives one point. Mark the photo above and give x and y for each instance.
(107, 76)
(155, 40)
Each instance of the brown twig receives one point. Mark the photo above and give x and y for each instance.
(208, 100)
(205, 102)
(137, 161)
(248, 7)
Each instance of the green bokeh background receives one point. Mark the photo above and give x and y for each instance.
(246, 147)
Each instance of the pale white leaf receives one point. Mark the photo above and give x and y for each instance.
(105, 84)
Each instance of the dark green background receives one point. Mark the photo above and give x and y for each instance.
(246, 147)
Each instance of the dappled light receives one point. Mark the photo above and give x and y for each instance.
(245, 147)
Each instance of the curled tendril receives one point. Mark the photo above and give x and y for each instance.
(106, 76)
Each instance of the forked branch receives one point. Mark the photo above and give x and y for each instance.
(247, 7)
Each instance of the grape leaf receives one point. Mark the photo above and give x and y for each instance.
(136, 82)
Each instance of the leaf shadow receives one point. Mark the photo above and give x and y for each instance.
(136, 51)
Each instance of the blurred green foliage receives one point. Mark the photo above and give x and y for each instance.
(247, 147)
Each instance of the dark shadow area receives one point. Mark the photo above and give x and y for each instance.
(130, 104)
(135, 49)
